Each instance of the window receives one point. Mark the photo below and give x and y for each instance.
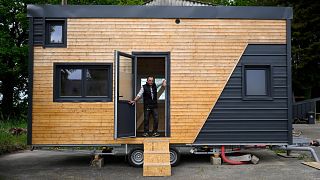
(257, 82)
(55, 33)
(83, 82)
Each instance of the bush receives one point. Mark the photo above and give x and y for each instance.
(10, 142)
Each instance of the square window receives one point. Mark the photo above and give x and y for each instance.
(55, 35)
(82, 82)
(257, 82)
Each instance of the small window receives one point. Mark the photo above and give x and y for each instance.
(83, 82)
(55, 33)
(257, 82)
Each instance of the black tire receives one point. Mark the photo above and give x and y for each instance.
(174, 157)
(135, 157)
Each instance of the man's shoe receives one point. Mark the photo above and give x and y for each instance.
(145, 134)
(156, 134)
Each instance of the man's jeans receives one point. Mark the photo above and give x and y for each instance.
(154, 112)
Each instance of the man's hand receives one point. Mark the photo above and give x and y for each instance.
(132, 102)
(164, 83)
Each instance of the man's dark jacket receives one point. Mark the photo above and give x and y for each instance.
(147, 98)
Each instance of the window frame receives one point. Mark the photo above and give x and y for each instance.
(269, 81)
(83, 66)
(50, 22)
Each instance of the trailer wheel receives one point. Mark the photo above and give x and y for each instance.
(174, 157)
(135, 157)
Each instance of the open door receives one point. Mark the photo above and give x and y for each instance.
(125, 118)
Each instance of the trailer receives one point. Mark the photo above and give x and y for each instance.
(228, 74)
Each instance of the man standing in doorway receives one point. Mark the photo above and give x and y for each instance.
(150, 102)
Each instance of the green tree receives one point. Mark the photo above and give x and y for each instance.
(243, 2)
(306, 48)
(13, 55)
(99, 2)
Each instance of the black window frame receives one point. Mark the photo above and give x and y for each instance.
(269, 81)
(84, 67)
(50, 22)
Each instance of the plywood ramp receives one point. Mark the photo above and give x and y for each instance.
(203, 54)
(156, 157)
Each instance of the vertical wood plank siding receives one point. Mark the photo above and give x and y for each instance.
(204, 53)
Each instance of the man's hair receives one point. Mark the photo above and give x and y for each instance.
(150, 76)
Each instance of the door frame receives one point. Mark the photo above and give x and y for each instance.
(166, 56)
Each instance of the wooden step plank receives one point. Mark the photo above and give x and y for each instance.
(156, 158)
(156, 145)
(156, 152)
(156, 164)
(156, 170)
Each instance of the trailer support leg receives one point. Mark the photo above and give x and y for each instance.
(288, 152)
(97, 161)
(215, 159)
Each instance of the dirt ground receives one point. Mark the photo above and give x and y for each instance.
(40, 164)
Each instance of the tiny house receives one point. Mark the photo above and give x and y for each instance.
(227, 69)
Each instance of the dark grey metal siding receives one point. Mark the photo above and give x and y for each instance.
(235, 120)
(30, 81)
(38, 31)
